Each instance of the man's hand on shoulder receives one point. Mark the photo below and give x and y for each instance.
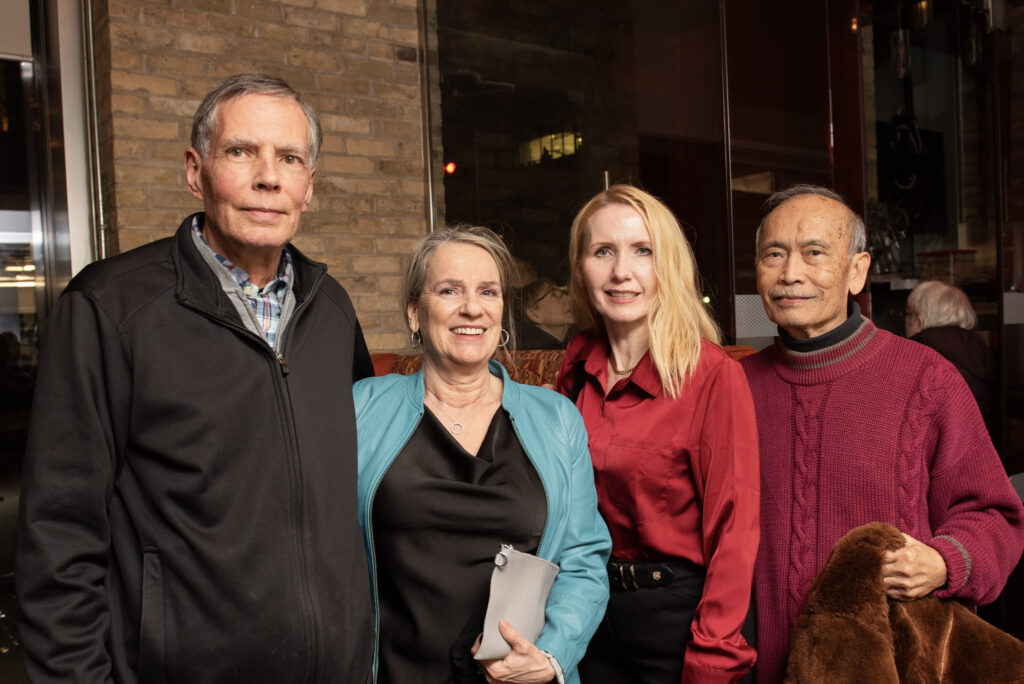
(913, 571)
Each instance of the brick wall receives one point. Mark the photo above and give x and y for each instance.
(354, 60)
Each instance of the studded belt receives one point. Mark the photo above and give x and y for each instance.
(627, 576)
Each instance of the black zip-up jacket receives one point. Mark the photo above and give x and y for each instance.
(188, 511)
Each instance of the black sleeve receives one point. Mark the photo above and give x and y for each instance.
(82, 399)
(362, 363)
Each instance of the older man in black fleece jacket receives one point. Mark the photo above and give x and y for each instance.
(189, 503)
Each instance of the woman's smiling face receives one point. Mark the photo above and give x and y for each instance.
(617, 268)
(459, 310)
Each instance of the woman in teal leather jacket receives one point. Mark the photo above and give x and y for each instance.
(455, 460)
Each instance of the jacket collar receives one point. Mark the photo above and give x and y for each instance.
(198, 286)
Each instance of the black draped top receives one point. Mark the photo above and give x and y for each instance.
(439, 517)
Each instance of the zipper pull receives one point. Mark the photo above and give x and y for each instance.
(282, 362)
(501, 559)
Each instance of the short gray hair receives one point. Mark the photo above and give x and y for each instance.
(859, 235)
(251, 84)
(938, 303)
(478, 236)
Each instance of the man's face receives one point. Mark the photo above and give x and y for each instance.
(804, 270)
(255, 181)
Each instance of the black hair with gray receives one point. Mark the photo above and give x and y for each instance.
(250, 84)
(859, 236)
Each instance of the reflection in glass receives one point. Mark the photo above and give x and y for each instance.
(540, 101)
(930, 81)
(19, 269)
(544, 318)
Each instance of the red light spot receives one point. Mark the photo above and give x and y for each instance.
(449, 167)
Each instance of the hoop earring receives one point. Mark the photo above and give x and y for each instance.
(416, 338)
(505, 338)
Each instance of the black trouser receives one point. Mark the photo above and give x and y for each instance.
(643, 637)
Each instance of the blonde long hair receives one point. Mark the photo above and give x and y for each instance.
(678, 319)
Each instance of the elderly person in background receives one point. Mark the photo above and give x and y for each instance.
(858, 425)
(941, 316)
(674, 443)
(455, 460)
(545, 315)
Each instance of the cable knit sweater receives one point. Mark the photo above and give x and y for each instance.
(874, 428)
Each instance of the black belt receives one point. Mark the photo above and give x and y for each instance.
(626, 576)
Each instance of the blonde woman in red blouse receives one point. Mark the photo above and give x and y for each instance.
(673, 439)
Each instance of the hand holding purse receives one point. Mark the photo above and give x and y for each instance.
(520, 584)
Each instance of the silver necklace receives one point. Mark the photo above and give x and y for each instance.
(455, 426)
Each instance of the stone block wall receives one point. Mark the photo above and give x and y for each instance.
(356, 61)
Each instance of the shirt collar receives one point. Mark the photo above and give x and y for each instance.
(646, 377)
(284, 266)
(594, 355)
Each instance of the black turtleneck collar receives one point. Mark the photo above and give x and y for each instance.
(834, 336)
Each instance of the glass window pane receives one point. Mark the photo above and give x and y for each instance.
(541, 101)
(19, 270)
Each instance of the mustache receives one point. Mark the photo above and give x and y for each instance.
(786, 293)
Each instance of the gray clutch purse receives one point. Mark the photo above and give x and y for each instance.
(520, 584)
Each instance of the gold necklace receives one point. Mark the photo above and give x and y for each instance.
(615, 370)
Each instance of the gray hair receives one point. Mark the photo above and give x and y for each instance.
(478, 236)
(938, 303)
(859, 236)
(251, 84)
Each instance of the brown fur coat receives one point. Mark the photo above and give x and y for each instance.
(849, 631)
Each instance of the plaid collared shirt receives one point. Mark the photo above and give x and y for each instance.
(268, 302)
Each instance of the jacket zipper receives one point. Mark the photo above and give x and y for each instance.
(313, 656)
(373, 553)
(306, 589)
(304, 583)
(286, 333)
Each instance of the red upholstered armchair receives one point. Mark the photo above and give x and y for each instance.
(528, 366)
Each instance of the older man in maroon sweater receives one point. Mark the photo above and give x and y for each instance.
(858, 425)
